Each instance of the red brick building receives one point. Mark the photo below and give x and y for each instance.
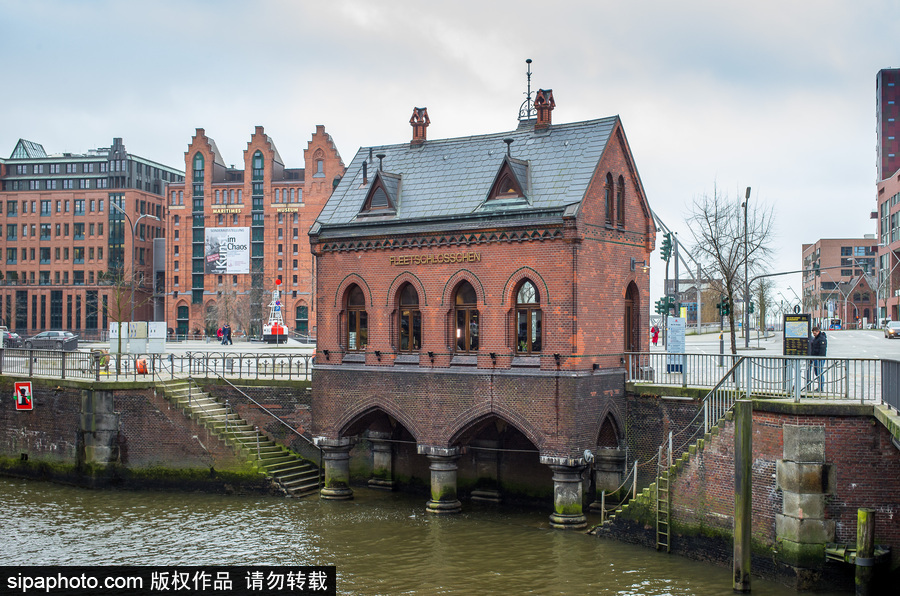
(839, 280)
(476, 295)
(68, 253)
(256, 217)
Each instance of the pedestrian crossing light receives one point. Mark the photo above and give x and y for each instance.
(666, 248)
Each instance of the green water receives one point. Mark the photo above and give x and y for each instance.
(381, 543)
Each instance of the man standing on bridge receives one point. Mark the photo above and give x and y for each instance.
(817, 347)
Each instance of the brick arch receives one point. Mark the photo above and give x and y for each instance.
(368, 406)
(612, 414)
(453, 281)
(518, 276)
(402, 278)
(480, 412)
(352, 278)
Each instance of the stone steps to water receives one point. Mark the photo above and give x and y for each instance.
(296, 477)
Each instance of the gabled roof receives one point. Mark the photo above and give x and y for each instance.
(452, 177)
(27, 150)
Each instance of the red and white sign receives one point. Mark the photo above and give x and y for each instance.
(23, 396)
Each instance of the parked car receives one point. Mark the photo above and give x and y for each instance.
(892, 329)
(11, 339)
(52, 340)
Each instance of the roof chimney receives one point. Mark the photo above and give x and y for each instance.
(419, 122)
(544, 104)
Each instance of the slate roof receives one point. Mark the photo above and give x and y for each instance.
(451, 178)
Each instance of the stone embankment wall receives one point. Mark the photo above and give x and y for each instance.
(112, 434)
(813, 467)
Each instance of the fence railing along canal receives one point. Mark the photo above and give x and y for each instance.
(96, 365)
(794, 377)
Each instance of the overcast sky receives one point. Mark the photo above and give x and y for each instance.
(775, 95)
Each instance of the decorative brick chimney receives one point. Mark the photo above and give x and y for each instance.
(419, 122)
(544, 104)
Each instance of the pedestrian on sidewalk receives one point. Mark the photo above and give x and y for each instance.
(655, 332)
(817, 347)
(219, 334)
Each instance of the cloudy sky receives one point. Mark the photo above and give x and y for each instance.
(775, 95)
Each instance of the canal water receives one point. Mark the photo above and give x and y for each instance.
(381, 543)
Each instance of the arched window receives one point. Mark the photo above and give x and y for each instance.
(257, 172)
(608, 194)
(528, 319)
(198, 167)
(301, 321)
(410, 320)
(466, 316)
(620, 202)
(357, 319)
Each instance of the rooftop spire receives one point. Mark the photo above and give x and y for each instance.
(526, 110)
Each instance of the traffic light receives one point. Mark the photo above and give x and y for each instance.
(666, 248)
(752, 308)
(726, 307)
(660, 307)
(670, 302)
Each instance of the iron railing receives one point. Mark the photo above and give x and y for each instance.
(96, 365)
(795, 377)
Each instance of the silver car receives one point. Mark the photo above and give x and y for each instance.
(52, 340)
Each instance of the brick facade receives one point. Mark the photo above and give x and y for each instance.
(461, 225)
(278, 204)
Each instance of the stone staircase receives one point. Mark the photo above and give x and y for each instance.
(296, 476)
(647, 499)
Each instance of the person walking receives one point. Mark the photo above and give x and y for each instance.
(655, 332)
(220, 334)
(228, 341)
(817, 347)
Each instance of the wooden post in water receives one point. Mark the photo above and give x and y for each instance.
(743, 458)
(865, 550)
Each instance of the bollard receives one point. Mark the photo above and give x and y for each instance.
(721, 349)
(865, 550)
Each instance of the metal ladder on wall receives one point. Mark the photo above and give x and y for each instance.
(663, 502)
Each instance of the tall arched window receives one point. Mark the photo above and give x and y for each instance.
(620, 202)
(608, 194)
(410, 320)
(357, 319)
(528, 319)
(466, 316)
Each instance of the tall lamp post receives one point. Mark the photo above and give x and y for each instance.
(746, 277)
(133, 226)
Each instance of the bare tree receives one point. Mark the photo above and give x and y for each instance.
(119, 307)
(763, 292)
(717, 225)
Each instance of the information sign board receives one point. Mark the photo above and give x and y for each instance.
(796, 334)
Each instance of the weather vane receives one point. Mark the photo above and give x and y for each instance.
(527, 110)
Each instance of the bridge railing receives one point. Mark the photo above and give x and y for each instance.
(793, 377)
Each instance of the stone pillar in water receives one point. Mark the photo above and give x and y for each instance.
(443, 479)
(382, 466)
(609, 470)
(568, 490)
(336, 459)
(487, 467)
(99, 427)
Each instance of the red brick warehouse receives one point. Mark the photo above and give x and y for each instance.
(475, 297)
(268, 208)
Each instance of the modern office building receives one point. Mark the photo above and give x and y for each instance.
(887, 111)
(233, 231)
(839, 280)
(69, 250)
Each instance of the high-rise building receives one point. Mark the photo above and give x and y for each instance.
(71, 258)
(887, 113)
(232, 232)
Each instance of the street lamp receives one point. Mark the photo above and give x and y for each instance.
(114, 205)
(746, 277)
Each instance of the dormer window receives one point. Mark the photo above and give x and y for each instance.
(382, 194)
(511, 180)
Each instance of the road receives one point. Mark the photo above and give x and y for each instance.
(841, 344)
